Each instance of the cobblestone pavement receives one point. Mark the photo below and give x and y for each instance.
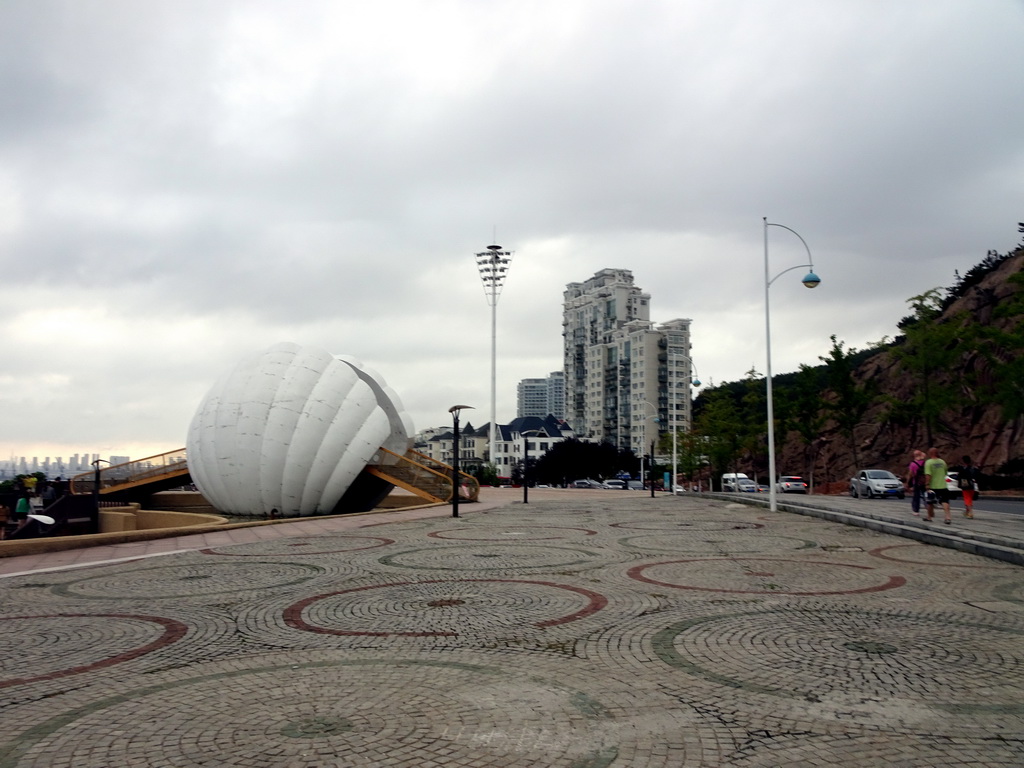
(582, 630)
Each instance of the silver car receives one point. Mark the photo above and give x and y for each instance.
(872, 483)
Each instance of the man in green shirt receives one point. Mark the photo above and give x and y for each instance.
(935, 470)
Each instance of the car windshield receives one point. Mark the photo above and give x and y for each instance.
(880, 474)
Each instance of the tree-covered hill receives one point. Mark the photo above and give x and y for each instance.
(953, 378)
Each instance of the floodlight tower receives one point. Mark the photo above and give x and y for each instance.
(493, 265)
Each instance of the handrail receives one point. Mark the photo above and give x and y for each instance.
(130, 473)
(174, 463)
(467, 480)
(469, 485)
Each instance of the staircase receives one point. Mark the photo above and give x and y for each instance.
(415, 472)
(165, 470)
(419, 474)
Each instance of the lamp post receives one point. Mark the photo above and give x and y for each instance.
(694, 381)
(526, 459)
(810, 280)
(643, 439)
(95, 523)
(650, 470)
(493, 265)
(455, 410)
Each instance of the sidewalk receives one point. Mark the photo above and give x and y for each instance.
(586, 629)
(996, 535)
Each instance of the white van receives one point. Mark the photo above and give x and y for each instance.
(729, 480)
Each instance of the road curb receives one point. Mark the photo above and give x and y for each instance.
(986, 545)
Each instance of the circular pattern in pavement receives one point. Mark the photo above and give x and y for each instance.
(189, 580)
(59, 645)
(485, 557)
(924, 554)
(882, 749)
(873, 663)
(762, 575)
(687, 525)
(389, 711)
(443, 608)
(707, 543)
(1010, 590)
(511, 534)
(321, 545)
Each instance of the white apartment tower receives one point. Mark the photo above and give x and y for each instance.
(540, 397)
(626, 381)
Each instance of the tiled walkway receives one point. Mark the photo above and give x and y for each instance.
(585, 629)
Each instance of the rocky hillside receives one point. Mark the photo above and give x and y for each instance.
(969, 426)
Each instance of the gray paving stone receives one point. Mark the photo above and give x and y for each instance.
(583, 630)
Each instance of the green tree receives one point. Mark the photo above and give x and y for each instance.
(800, 411)
(576, 459)
(1002, 346)
(486, 474)
(721, 428)
(754, 416)
(930, 346)
(691, 452)
(851, 400)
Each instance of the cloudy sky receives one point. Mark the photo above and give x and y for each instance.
(183, 182)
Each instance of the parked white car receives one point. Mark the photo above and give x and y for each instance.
(953, 485)
(791, 484)
(871, 483)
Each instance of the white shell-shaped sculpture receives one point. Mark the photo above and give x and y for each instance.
(287, 431)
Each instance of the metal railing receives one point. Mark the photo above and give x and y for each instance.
(421, 474)
(132, 473)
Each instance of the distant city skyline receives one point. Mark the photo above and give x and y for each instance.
(56, 466)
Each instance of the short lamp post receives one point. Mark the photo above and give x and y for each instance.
(95, 524)
(650, 469)
(455, 410)
(643, 439)
(526, 460)
(810, 280)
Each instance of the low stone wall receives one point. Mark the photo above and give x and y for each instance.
(118, 520)
(131, 518)
(180, 501)
(130, 523)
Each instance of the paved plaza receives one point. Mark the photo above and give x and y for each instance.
(583, 630)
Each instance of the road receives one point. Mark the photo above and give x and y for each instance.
(1012, 506)
(1003, 506)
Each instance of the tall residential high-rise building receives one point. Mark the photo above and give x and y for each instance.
(540, 397)
(626, 380)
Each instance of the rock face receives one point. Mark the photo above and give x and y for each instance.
(978, 431)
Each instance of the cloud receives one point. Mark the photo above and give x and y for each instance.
(184, 183)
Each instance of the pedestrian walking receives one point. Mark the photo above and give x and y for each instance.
(935, 470)
(968, 482)
(915, 481)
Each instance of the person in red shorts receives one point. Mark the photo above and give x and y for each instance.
(968, 482)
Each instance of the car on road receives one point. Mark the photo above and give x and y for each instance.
(635, 485)
(953, 485)
(871, 483)
(615, 485)
(791, 484)
(743, 485)
(586, 484)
